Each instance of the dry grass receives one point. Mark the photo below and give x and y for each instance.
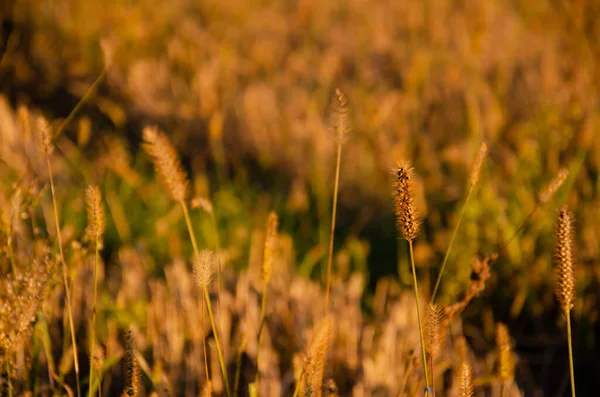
(242, 92)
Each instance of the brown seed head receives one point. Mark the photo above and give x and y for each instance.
(331, 389)
(270, 247)
(316, 357)
(505, 360)
(207, 389)
(433, 334)
(477, 164)
(166, 162)
(339, 115)
(406, 212)
(131, 365)
(551, 188)
(203, 268)
(466, 381)
(563, 258)
(44, 135)
(95, 214)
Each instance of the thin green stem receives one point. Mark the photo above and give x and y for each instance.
(418, 302)
(79, 104)
(502, 388)
(263, 307)
(204, 341)
(447, 255)
(188, 222)
(333, 214)
(93, 330)
(219, 353)
(65, 277)
(8, 380)
(571, 367)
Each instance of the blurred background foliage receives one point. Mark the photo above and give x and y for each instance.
(243, 88)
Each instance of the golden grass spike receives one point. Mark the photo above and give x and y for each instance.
(505, 361)
(340, 115)
(433, 336)
(466, 381)
(316, 356)
(406, 212)
(131, 365)
(95, 214)
(44, 135)
(565, 280)
(563, 257)
(477, 164)
(166, 162)
(552, 187)
(203, 268)
(270, 247)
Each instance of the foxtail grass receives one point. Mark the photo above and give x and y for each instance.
(168, 166)
(132, 369)
(565, 279)
(94, 232)
(309, 380)
(466, 381)
(341, 127)
(265, 271)
(433, 337)
(45, 137)
(505, 360)
(545, 195)
(408, 224)
(473, 179)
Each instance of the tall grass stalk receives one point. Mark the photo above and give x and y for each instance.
(416, 290)
(188, 222)
(44, 133)
(341, 127)
(473, 179)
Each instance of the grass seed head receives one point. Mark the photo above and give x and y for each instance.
(203, 268)
(95, 214)
(270, 247)
(563, 258)
(131, 365)
(166, 162)
(505, 360)
(466, 381)
(406, 213)
(552, 187)
(477, 164)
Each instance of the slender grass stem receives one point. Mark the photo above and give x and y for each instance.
(238, 370)
(93, 329)
(571, 367)
(79, 104)
(333, 215)
(65, 276)
(188, 222)
(263, 310)
(447, 255)
(416, 290)
(502, 388)
(204, 341)
(219, 353)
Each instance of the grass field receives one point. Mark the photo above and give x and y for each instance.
(306, 198)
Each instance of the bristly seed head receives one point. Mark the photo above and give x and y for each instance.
(563, 258)
(166, 162)
(552, 187)
(404, 206)
(270, 247)
(477, 164)
(203, 268)
(339, 115)
(44, 135)
(466, 381)
(132, 368)
(95, 214)
(505, 360)
(433, 329)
